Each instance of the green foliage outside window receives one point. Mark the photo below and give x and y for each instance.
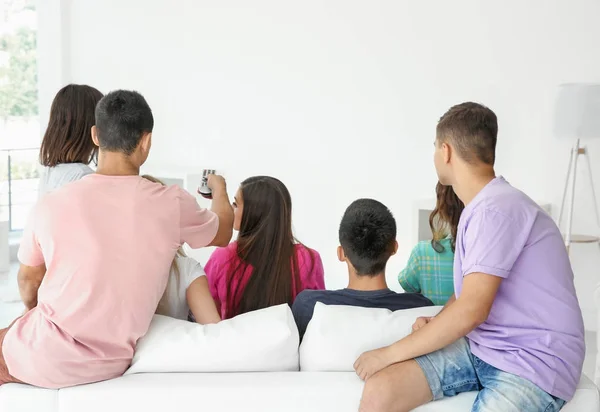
(18, 65)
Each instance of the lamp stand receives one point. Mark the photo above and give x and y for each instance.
(577, 151)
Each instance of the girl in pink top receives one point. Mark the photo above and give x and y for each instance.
(266, 266)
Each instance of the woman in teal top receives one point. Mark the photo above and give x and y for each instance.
(430, 267)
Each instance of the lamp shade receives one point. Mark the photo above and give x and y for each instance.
(577, 111)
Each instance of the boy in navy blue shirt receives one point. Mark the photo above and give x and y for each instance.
(367, 240)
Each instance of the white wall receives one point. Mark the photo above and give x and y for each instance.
(53, 57)
(340, 98)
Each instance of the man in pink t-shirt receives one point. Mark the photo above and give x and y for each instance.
(95, 257)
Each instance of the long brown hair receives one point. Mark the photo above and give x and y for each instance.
(163, 305)
(267, 244)
(444, 219)
(68, 137)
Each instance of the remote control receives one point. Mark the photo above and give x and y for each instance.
(204, 190)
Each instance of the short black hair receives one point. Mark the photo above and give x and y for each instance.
(122, 118)
(472, 129)
(367, 234)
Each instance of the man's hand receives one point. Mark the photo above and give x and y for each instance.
(216, 183)
(222, 208)
(455, 321)
(420, 322)
(369, 363)
(424, 320)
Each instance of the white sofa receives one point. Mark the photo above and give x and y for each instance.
(259, 353)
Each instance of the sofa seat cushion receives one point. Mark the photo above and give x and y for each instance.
(24, 398)
(228, 392)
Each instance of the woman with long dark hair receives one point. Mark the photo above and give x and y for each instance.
(430, 268)
(67, 148)
(266, 266)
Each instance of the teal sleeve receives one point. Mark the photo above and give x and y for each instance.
(409, 278)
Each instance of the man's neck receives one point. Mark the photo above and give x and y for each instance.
(116, 164)
(366, 283)
(470, 181)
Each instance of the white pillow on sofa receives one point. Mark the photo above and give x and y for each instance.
(337, 335)
(261, 341)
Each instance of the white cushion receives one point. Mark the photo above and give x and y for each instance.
(232, 392)
(261, 341)
(255, 392)
(219, 392)
(337, 335)
(16, 397)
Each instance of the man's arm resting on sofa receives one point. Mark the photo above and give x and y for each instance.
(457, 319)
(29, 279)
(424, 320)
(451, 300)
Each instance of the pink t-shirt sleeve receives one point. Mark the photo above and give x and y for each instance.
(215, 270)
(30, 253)
(313, 277)
(198, 226)
(212, 273)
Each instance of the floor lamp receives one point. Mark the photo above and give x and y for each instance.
(578, 117)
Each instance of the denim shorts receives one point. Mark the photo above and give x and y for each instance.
(455, 369)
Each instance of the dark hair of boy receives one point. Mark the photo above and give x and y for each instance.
(123, 117)
(367, 235)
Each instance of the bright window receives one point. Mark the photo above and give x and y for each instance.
(19, 120)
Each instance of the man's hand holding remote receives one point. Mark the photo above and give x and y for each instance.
(222, 208)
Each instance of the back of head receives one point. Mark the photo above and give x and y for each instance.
(265, 242)
(68, 137)
(267, 207)
(444, 219)
(123, 117)
(367, 236)
(471, 129)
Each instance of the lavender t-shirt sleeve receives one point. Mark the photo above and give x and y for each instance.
(492, 243)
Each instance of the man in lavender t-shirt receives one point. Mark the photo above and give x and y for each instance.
(513, 330)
